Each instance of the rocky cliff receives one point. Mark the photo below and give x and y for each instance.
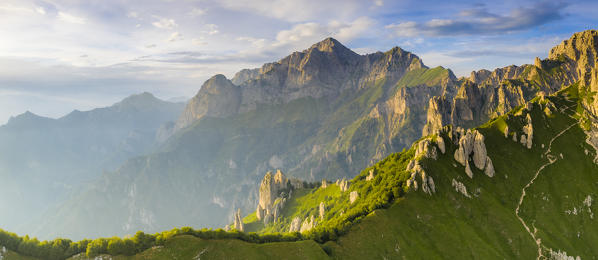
(486, 94)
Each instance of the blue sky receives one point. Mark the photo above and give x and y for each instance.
(57, 56)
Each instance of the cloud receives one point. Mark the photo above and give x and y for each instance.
(479, 21)
(198, 41)
(40, 10)
(212, 29)
(70, 18)
(133, 14)
(175, 36)
(197, 12)
(164, 23)
(312, 32)
(298, 11)
(149, 46)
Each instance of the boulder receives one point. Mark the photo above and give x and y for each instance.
(506, 131)
(353, 196)
(515, 137)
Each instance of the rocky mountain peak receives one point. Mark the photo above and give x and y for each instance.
(582, 46)
(141, 101)
(331, 45)
(218, 97)
(27, 119)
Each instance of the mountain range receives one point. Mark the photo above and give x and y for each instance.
(44, 160)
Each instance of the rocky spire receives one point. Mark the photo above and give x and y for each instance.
(238, 223)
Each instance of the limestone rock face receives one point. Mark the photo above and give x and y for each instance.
(324, 184)
(273, 192)
(295, 225)
(218, 97)
(322, 209)
(308, 224)
(238, 223)
(472, 144)
(353, 196)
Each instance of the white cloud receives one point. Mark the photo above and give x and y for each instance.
(165, 23)
(298, 11)
(149, 46)
(212, 29)
(312, 32)
(175, 36)
(197, 12)
(199, 41)
(14, 9)
(133, 14)
(378, 2)
(40, 10)
(70, 18)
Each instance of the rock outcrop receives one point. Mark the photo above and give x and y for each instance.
(295, 225)
(460, 187)
(471, 143)
(322, 210)
(308, 224)
(324, 184)
(440, 143)
(343, 185)
(273, 193)
(426, 149)
(370, 175)
(426, 181)
(528, 130)
(218, 97)
(353, 196)
(238, 223)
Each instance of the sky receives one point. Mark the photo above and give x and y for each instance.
(57, 56)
